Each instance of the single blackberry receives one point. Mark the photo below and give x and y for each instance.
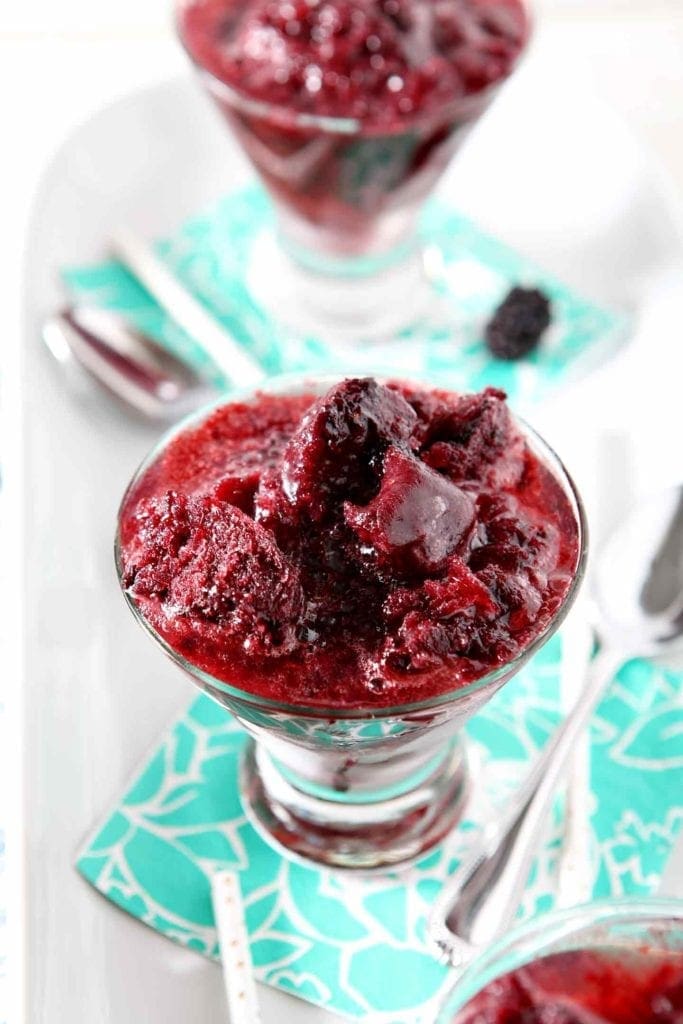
(516, 327)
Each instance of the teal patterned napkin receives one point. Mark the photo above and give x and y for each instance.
(329, 939)
(334, 940)
(211, 252)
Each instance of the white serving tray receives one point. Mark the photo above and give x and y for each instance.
(552, 171)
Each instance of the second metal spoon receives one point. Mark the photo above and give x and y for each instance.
(639, 605)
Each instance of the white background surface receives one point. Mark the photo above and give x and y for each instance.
(59, 62)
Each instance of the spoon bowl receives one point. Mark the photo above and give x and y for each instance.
(638, 579)
(129, 364)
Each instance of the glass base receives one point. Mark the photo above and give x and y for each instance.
(367, 832)
(344, 301)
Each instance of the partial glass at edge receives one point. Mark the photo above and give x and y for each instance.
(347, 258)
(358, 788)
(628, 923)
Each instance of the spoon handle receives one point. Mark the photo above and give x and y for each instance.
(574, 876)
(226, 352)
(481, 900)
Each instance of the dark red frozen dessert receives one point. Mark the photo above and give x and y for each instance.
(611, 986)
(379, 545)
(402, 79)
(380, 61)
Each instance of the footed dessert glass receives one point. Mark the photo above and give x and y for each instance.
(357, 787)
(621, 928)
(348, 187)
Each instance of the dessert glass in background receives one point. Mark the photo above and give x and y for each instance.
(350, 111)
(347, 783)
(619, 961)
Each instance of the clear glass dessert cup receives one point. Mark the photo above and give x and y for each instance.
(628, 925)
(347, 259)
(357, 787)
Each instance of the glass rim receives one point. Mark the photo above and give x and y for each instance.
(283, 384)
(346, 125)
(544, 931)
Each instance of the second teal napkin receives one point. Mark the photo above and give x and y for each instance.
(210, 255)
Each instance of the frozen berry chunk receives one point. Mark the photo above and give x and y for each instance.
(515, 557)
(337, 451)
(440, 618)
(511, 539)
(517, 325)
(239, 484)
(469, 436)
(417, 519)
(206, 560)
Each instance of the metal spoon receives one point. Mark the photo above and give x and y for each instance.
(638, 598)
(128, 363)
